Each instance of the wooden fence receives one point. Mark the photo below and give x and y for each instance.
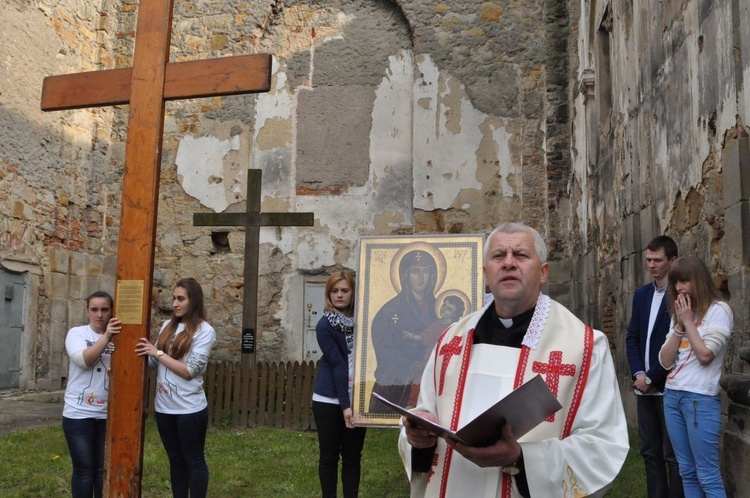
(270, 395)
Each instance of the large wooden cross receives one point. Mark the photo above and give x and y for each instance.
(252, 219)
(145, 87)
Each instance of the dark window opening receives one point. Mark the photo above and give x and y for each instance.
(221, 242)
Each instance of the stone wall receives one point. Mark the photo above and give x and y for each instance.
(384, 117)
(661, 146)
(59, 190)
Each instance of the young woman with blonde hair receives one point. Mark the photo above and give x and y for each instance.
(332, 407)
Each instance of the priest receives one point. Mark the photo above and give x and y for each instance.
(521, 333)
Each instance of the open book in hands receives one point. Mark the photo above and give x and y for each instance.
(524, 408)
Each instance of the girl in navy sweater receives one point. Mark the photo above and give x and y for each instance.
(332, 407)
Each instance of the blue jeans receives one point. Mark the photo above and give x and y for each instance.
(184, 438)
(694, 425)
(335, 439)
(656, 450)
(85, 437)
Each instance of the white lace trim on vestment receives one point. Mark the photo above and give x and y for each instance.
(538, 320)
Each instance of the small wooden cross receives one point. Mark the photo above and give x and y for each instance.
(252, 219)
(145, 87)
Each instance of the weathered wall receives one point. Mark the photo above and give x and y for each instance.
(385, 117)
(660, 146)
(601, 123)
(59, 192)
(380, 122)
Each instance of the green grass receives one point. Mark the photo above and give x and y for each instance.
(243, 463)
(631, 481)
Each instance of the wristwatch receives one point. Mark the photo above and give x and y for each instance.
(159, 354)
(515, 468)
(511, 470)
(648, 380)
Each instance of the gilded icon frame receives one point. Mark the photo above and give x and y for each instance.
(451, 265)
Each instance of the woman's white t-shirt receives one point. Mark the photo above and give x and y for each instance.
(87, 392)
(175, 395)
(688, 374)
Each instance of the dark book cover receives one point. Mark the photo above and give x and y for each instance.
(524, 408)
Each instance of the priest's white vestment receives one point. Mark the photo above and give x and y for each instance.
(577, 452)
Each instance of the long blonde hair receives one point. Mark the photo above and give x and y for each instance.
(193, 317)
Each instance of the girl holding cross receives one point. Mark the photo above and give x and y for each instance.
(84, 421)
(181, 355)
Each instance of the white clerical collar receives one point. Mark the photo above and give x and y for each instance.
(507, 322)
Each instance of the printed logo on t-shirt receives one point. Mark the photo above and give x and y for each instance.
(92, 400)
(108, 349)
(163, 389)
(96, 388)
(685, 342)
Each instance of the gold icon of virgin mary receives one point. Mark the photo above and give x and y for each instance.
(430, 282)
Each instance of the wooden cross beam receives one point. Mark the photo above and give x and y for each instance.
(145, 87)
(252, 219)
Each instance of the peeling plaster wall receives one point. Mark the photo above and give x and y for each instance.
(384, 118)
(387, 191)
(200, 170)
(661, 146)
(367, 129)
(446, 127)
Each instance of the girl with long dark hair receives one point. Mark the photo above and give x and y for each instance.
(181, 355)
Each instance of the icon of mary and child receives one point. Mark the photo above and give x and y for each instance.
(407, 327)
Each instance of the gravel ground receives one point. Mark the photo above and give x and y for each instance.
(24, 410)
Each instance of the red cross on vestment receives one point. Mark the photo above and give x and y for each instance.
(448, 350)
(552, 372)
